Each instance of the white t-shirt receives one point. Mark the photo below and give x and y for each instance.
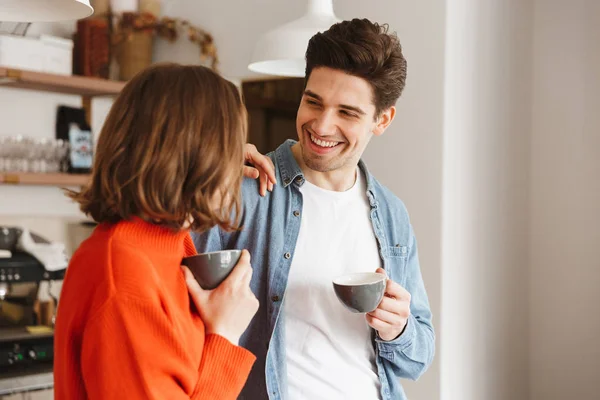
(329, 350)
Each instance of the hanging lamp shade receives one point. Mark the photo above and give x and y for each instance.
(281, 51)
(44, 10)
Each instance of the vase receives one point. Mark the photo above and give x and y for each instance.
(134, 54)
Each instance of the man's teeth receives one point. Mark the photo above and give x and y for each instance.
(322, 143)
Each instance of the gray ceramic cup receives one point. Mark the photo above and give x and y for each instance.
(210, 269)
(360, 292)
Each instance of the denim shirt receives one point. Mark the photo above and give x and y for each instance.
(270, 227)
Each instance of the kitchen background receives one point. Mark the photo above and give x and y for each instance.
(495, 151)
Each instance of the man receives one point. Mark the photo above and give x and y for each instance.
(326, 217)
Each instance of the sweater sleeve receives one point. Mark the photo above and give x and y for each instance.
(220, 358)
(130, 350)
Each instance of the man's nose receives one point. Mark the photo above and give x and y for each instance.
(324, 124)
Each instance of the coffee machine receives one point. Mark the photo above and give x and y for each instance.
(26, 324)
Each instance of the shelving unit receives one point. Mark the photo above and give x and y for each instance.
(67, 84)
(85, 87)
(48, 179)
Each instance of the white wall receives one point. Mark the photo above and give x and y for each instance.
(485, 199)
(235, 26)
(565, 202)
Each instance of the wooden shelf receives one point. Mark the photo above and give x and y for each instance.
(68, 84)
(49, 179)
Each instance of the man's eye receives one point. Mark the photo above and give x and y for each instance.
(349, 114)
(312, 102)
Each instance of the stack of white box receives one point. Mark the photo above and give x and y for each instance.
(44, 54)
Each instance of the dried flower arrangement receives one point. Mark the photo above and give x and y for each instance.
(171, 29)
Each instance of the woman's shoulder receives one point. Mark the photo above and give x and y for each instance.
(105, 259)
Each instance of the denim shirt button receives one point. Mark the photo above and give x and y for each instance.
(287, 256)
(275, 298)
(296, 213)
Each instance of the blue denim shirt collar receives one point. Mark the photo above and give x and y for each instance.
(292, 173)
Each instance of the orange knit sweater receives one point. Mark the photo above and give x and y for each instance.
(126, 327)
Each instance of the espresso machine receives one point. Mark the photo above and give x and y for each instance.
(26, 323)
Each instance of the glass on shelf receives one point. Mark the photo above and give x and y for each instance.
(25, 154)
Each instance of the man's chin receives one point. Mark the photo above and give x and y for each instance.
(316, 162)
(318, 165)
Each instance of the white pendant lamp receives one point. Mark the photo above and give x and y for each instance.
(281, 51)
(44, 10)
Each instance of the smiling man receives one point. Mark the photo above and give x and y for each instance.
(326, 217)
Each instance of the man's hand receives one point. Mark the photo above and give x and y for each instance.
(262, 167)
(390, 317)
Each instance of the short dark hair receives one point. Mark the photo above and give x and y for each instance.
(364, 49)
(172, 147)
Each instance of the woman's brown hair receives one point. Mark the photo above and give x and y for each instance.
(170, 151)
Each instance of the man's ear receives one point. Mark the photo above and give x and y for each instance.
(384, 120)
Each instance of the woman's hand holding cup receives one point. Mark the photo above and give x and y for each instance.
(228, 309)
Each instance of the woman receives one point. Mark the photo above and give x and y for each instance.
(169, 159)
